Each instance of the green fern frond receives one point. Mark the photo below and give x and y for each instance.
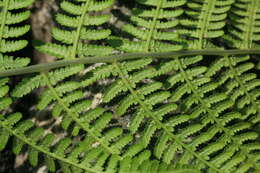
(240, 83)
(71, 104)
(142, 115)
(152, 27)
(205, 20)
(83, 26)
(9, 32)
(196, 105)
(72, 157)
(9, 41)
(27, 85)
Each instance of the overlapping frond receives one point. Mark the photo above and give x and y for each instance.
(67, 98)
(70, 156)
(235, 73)
(151, 115)
(196, 95)
(200, 99)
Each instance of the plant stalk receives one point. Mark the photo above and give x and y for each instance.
(121, 57)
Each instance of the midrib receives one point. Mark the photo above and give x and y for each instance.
(80, 25)
(251, 18)
(153, 26)
(204, 22)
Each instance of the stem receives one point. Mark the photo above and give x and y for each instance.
(79, 27)
(153, 26)
(122, 57)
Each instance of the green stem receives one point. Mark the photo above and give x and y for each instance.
(153, 26)
(122, 57)
(204, 22)
(80, 25)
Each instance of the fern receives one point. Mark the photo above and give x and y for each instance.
(71, 157)
(8, 42)
(170, 143)
(68, 98)
(9, 33)
(241, 85)
(152, 26)
(180, 112)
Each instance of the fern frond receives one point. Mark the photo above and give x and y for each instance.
(151, 39)
(71, 157)
(151, 27)
(194, 92)
(28, 84)
(205, 21)
(143, 115)
(10, 43)
(200, 105)
(68, 100)
(8, 32)
(8, 18)
(83, 26)
(38, 142)
(235, 72)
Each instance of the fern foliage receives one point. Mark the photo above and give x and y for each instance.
(182, 114)
(83, 19)
(240, 82)
(13, 14)
(71, 157)
(10, 42)
(205, 20)
(68, 98)
(152, 24)
(9, 32)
